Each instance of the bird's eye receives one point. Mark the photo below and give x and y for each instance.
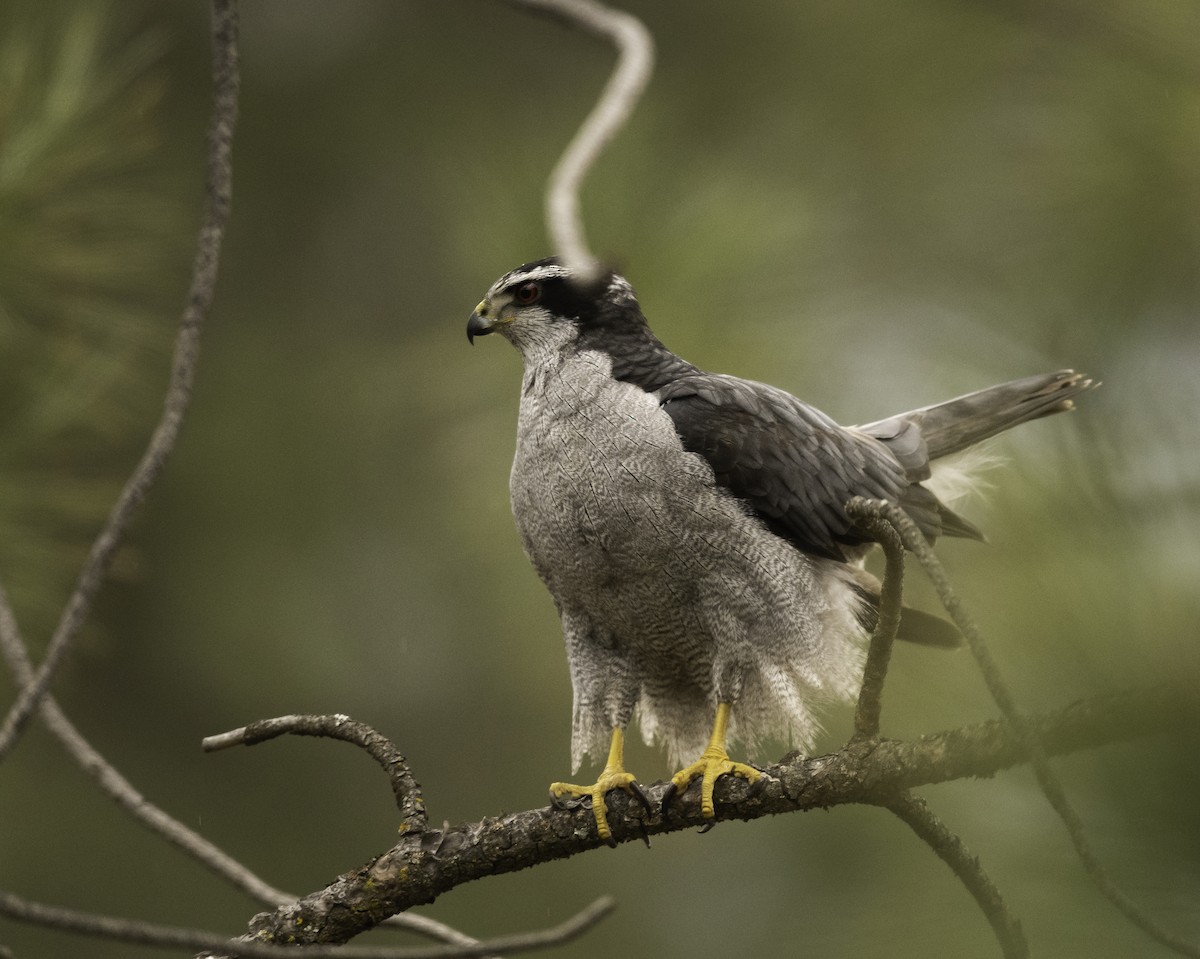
(527, 293)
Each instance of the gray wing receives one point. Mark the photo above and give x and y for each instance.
(793, 465)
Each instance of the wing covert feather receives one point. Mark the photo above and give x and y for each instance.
(790, 463)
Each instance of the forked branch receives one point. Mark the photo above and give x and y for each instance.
(214, 944)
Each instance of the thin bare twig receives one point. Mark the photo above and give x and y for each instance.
(635, 48)
(13, 647)
(1050, 784)
(154, 934)
(124, 792)
(879, 654)
(183, 371)
(951, 850)
(405, 788)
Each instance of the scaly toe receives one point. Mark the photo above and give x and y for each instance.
(559, 793)
(708, 768)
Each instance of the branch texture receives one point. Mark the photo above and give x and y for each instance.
(422, 867)
(913, 811)
(879, 653)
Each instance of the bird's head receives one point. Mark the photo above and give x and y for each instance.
(544, 304)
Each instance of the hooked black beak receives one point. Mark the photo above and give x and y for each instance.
(478, 325)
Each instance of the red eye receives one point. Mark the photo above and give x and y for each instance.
(527, 293)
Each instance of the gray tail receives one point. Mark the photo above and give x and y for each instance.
(956, 424)
(919, 436)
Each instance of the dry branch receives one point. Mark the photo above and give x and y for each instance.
(404, 787)
(879, 653)
(1024, 730)
(154, 934)
(422, 867)
(913, 811)
(635, 61)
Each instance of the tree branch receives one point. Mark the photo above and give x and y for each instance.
(421, 867)
(404, 787)
(155, 934)
(1025, 731)
(879, 653)
(120, 789)
(187, 345)
(909, 808)
(913, 811)
(635, 62)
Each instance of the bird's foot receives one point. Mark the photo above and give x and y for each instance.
(570, 796)
(713, 763)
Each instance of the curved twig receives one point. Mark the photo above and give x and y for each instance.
(1050, 784)
(154, 934)
(129, 798)
(183, 371)
(914, 812)
(635, 47)
(879, 653)
(337, 726)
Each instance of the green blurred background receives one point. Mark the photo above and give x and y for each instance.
(875, 206)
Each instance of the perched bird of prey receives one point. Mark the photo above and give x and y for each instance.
(691, 526)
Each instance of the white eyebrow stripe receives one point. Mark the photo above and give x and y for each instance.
(546, 272)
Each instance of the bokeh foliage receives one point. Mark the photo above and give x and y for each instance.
(875, 206)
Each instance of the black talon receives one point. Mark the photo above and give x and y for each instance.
(640, 793)
(645, 833)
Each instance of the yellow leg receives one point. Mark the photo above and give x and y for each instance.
(613, 776)
(713, 762)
